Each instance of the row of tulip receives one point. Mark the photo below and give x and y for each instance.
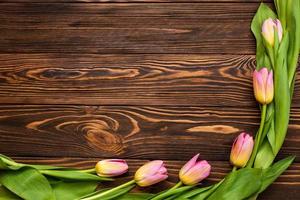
(193, 172)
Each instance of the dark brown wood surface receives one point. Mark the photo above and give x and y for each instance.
(82, 80)
(127, 28)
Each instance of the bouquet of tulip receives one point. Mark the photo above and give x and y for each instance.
(278, 45)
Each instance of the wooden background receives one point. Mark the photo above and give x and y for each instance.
(83, 80)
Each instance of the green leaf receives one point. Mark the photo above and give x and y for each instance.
(239, 185)
(111, 195)
(74, 175)
(73, 190)
(7, 195)
(272, 137)
(269, 126)
(265, 156)
(273, 172)
(172, 192)
(207, 193)
(261, 15)
(293, 24)
(281, 10)
(281, 94)
(135, 196)
(27, 183)
(194, 192)
(115, 195)
(7, 163)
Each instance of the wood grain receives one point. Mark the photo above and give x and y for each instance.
(82, 80)
(130, 132)
(208, 80)
(286, 187)
(207, 28)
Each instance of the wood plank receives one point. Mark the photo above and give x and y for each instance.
(127, 28)
(286, 187)
(208, 80)
(171, 133)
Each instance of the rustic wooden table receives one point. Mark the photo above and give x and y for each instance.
(82, 80)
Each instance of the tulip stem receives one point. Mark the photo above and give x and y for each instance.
(98, 196)
(176, 186)
(234, 168)
(167, 193)
(258, 136)
(92, 170)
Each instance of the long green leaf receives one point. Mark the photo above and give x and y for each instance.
(207, 193)
(272, 173)
(265, 156)
(281, 94)
(135, 196)
(111, 195)
(27, 183)
(239, 185)
(195, 192)
(7, 195)
(172, 192)
(294, 31)
(8, 163)
(73, 190)
(115, 195)
(74, 175)
(262, 14)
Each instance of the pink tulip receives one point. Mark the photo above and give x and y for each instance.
(241, 150)
(268, 30)
(111, 167)
(263, 86)
(194, 171)
(151, 173)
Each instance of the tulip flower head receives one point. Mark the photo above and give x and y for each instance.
(263, 86)
(194, 171)
(111, 167)
(241, 150)
(151, 173)
(269, 28)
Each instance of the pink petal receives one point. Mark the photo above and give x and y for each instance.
(241, 150)
(264, 74)
(151, 180)
(117, 160)
(162, 170)
(269, 88)
(237, 146)
(268, 30)
(148, 169)
(279, 29)
(111, 168)
(258, 86)
(189, 164)
(199, 172)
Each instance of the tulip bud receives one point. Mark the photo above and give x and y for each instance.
(268, 30)
(263, 86)
(111, 167)
(194, 171)
(241, 150)
(151, 173)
